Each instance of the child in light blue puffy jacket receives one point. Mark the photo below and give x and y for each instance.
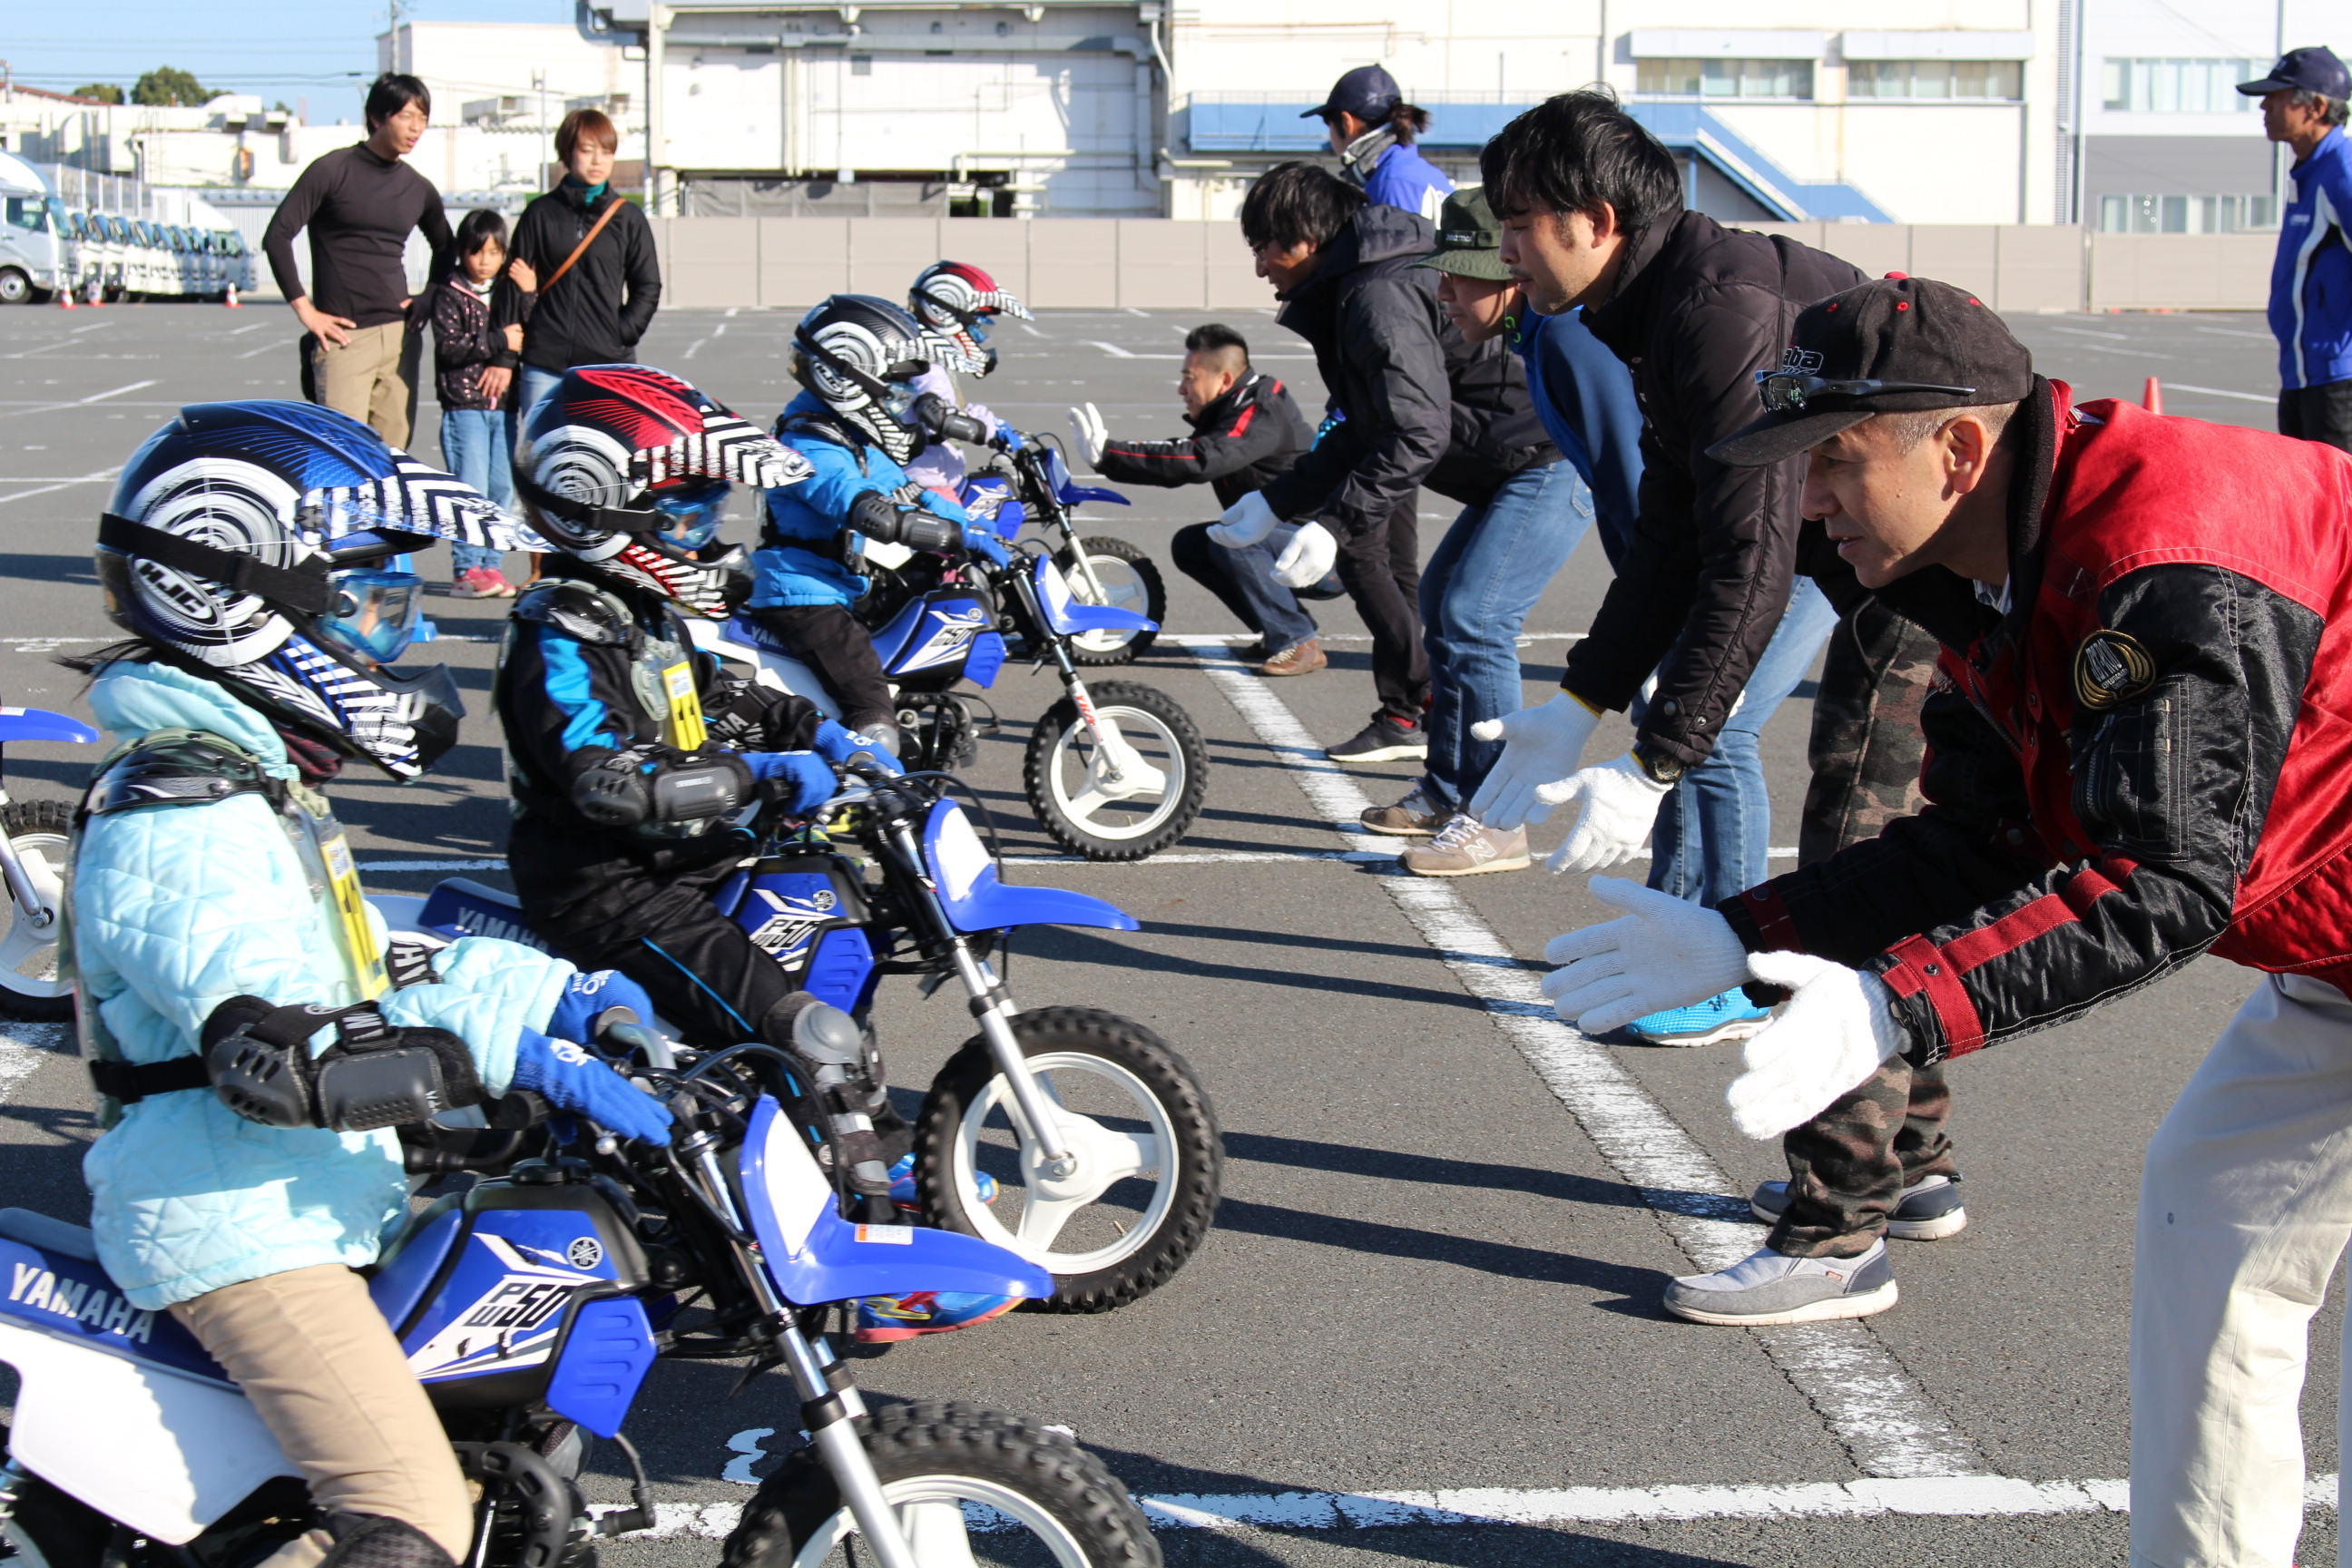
(212, 892)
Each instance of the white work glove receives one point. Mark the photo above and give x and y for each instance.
(1247, 522)
(1620, 806)
(1087, 425)
(1830, 1036)
(1307, 558)
(1541, 745)
(1663, 952)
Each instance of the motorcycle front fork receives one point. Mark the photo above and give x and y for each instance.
(37, 915)
(13, 1477)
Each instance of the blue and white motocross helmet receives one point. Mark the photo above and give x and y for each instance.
(248, 542)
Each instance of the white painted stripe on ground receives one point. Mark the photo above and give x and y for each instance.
(2262, 397)
(22, 1047)
(1919, 1497)
(101, 476)
(1176, 858)
(1862, 1393)
(102, 397)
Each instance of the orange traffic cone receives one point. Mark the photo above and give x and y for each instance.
(64, 300)
(231, 300)
(2151, 396)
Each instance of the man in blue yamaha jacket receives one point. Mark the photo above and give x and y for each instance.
(2303, 102)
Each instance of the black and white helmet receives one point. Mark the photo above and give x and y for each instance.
(860, 355)
(256, 545)
(959, 300)
(627, 468)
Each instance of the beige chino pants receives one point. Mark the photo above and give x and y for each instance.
(327, 1378)
(2246, 1207)
(367, 378)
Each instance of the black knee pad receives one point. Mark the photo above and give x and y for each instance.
(371, 1540)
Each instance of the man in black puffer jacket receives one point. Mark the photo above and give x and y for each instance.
(1592, 214)
(1413, 404)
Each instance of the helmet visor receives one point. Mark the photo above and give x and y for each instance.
(688, 518)
(375, 614)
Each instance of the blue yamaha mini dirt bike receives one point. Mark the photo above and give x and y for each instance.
(531, 1305)
(34, 835)
(1114, 771)
(1101, 1145)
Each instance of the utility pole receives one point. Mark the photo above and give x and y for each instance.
(539, 81)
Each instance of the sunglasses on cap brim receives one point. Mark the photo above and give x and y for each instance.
(1787, 392)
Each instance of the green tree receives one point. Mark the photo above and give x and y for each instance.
(169, 87)
(104, 91)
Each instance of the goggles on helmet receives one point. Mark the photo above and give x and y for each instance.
(688, 518)
(374, 613)
(898, 400)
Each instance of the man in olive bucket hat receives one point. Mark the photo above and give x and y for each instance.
(1494, 562)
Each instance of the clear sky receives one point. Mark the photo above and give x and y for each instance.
(323, 51)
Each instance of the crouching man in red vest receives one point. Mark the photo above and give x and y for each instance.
(2143, 753)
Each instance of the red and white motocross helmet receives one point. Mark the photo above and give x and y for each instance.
(956, 300)
(627, 469)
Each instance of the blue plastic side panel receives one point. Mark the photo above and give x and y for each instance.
(987, 657)
(838, 971)
(784, 910)
(729, 896)
(72, 1298)
(503, 1304)
(461, 908)
(976, 898)
(940, 636)
(891, 639)
(41, 724)
(399, 1286)
(604, 1361)
(833, 1260)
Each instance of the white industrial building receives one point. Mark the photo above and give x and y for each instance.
(2115, 113)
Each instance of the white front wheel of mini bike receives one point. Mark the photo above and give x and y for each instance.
(30, 984)
(1122, 791)
(1090, 1094)
(942, 1515)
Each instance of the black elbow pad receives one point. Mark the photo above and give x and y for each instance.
(258, 1058)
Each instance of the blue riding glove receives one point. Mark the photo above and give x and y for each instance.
(799, 780)
(985, 543)
(568, 1078)
(587, 995)
(837, 742)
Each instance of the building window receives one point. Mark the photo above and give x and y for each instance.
(1725, 78)
(2177, 87)
(1954, 81)
(2187, 214)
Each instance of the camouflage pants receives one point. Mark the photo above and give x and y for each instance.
(1848, 1166)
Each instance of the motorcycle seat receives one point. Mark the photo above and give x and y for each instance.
(39, 1230)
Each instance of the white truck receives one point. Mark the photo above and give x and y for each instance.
(34, 243)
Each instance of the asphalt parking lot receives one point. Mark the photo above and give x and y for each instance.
(1426, 1325)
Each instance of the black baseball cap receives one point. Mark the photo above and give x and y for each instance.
(1368, 92)
(1892, 346)
(2314, 70)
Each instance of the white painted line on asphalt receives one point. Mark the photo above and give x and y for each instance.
(1916, 1497)
(62, 484)
(102, 397)
(248, 327)
(266, 348)
(22, 1047)
(1862, 1393)
(1111, 348)
(2237, 332)
(2267, 399)
(2087, 333)
(1176, 858)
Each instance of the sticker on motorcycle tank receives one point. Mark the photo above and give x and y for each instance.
(511, 1324)
(795, 922)
(887, 1235)
(950, 633)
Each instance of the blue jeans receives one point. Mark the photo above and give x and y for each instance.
(1714, 827)
(1475, 593)
(474, 447)
(1242, 580)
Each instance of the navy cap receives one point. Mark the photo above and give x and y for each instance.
(2314, 69)
(1369, 92)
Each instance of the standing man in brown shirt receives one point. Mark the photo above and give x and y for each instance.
(360, 204)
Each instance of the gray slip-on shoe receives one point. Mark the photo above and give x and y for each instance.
(1768, 1287)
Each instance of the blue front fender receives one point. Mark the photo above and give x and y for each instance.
(977, 899)
(41, 724)
(1066, 614)
(814, 1256)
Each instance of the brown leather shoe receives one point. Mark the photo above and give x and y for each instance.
(1298, 658)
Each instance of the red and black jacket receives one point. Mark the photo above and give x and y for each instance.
(2142, 758)
(1239, 442)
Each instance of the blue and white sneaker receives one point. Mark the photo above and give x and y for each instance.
(887, 1320)
(909, 1201)
(1727, 1017)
